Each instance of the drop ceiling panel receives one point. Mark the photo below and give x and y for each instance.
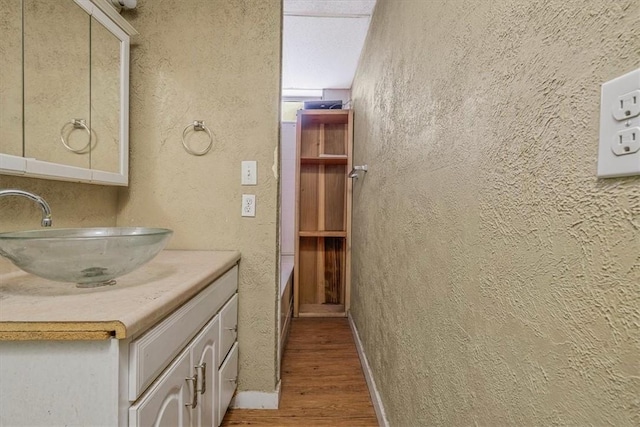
(322, 52)
(329, 7)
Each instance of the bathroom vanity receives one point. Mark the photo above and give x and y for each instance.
(158, 348)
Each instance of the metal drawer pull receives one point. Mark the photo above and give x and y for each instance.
(234, 329)
(203, 382)
(194, 401)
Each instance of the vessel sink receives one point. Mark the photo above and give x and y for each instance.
(86, 256)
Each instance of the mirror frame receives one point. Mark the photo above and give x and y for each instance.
(33, 168)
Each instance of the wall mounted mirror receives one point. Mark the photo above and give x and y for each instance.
(64, 90)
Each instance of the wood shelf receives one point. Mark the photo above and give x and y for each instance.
(324, 116)
(322, 234)
(322, 310)
(325, 160)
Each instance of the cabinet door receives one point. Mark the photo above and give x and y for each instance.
(228, 381)
(204, 362)
(164, 404)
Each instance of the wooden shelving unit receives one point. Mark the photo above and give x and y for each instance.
(323, 213)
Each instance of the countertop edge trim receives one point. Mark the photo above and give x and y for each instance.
(20, 331)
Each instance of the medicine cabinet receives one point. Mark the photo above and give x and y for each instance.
(65, 91)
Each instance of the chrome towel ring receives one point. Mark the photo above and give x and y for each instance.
(77, 124)
(198, 126)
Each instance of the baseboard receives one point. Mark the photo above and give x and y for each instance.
(368, 375)
(257, 399)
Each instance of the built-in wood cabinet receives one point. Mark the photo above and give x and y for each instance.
(323, 212)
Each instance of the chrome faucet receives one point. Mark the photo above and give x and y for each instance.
(46, 210)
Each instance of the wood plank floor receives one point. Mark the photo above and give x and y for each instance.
(322, 381)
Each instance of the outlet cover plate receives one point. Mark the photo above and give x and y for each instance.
(249, 205)
(617, 156)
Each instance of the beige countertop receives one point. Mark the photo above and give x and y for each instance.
(32, 308)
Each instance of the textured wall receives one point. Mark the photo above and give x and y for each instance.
(216, 61)
(496, 280)
(72, 204)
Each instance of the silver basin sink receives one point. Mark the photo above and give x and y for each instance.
(86, 256)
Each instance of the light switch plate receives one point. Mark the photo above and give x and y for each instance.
(249, 172)
(618, 153)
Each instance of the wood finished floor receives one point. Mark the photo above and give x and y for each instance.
(322, 381)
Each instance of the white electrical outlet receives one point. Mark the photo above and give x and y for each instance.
(248, 205)
(626, 142)
(628, 105)
(249, 172)
(619, 150)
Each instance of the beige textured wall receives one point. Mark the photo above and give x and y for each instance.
(216, 61)
(72, 204)
(496, 280)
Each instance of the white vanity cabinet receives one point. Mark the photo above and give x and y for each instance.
(188, 392)
(185, 394)
(181, 371)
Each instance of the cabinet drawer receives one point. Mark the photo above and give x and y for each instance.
(227, 380)
(152, 352)
(228, 327)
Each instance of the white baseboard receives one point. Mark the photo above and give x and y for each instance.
(368, 375)
(257, 399)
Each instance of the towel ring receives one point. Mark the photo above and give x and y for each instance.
(77, 124)
(198, 126)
